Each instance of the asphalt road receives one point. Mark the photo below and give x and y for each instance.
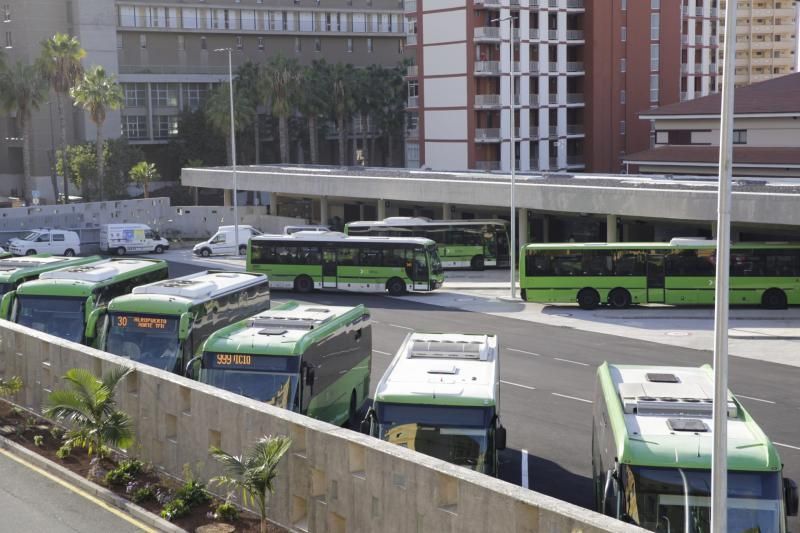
(29, 501)
(547, 384)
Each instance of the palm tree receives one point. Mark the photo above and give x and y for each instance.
(144, 173)
(254, 472)
(342, 81)
(249, 86)
(88, 406)
(22, 90)
(281, 82)
(97, 92)
(61, 65)
(315, 101)
(391, 110)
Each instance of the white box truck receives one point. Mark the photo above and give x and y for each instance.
(224, 241)
(121, 239)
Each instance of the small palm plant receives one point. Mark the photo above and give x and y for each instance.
(10, 386)
(89, 408)
(254, 472)
(144, 173)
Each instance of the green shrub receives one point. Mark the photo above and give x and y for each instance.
(226, 512)
(174, 509)
(124, 473)
(38, 441)
(193, 493)
(143, 494)
(63, 452)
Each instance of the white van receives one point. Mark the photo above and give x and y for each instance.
(47, 241)
(288, 230)
(224, 241)
(121, 239)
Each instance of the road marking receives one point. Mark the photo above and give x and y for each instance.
(754, 399)
(518, 385)
(525, 468)
(570, 361)
(786, 445)
(523, 351)
(380, 352)
(79, 492)
(401, 327)
(571, 397)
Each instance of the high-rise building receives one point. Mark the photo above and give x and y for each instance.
(701, 29)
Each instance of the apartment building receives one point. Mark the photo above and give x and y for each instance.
(701, 30)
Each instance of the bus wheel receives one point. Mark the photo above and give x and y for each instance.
(396, 287)
(588, 299)
(120, 251)
(242, 249)
(477, 263)
(303, 284)
(159, 249)
(30, 252)
(352, 414)
(774, 299)
(619, 299)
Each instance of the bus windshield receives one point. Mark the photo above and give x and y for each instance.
(270, 379)
(57, 315)
(458, 435)
(436, 263)
(148, 339)
(4, 288)
(678, 500)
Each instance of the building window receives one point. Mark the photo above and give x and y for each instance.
(134, 126)
(654, 50)
(624, 5)
(165, 126)
(739, 136)
(119, 41)
(143, 40)
(369, 45)
(317, 45)
(194, 94)
(622, 65)
(622, 127)
(7, 13)
(349, 44)
(134, 94)
(203, 43)
(654, 26)
(624, 33)
(653, 88)
(655, 5)
(164, 95)
(260, 43)
(239, 42)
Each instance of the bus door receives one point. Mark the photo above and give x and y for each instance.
(329, 267)
(419, 271)
(655, 278)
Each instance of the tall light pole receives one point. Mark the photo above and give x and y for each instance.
(719, 456)
(233, 149)
(512, 155)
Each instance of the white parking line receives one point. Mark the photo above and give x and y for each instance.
(380, 352)
(754, 399)
(571, 397)
(523, 351)
(524, 467)
(786, 445)
(518, 385)
(570, 361)
(401, 327)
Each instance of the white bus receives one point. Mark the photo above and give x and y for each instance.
(441, 396)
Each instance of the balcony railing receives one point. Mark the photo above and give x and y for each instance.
(533, 33)
(552, 35)
(533, 132)
(552, 98)
(534, 99)
(575, 129)
(413, 102)
(488, 3)
(487, 32)
(172, 69)
(575, 35)
(412, 134)
(533, 66)
(487, 134)
(552, 66)
(487, 100)
(553, 131)
(488, 67)
(575, 4)
(412, 71)
(576, 98)
(575, 66)
(411, 39)
(410, 6)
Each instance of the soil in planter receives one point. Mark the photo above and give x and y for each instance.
(21, 428)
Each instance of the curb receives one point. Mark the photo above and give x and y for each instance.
(97, 491)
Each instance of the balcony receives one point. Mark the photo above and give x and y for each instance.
(534, 100)
(575, 129)
(487, 67)
(487, 100)
(575, 4)
(575, 161)
(412, 71)
(410, 6)
(413, 102)
(411, 39)
(487, 165)
(533, 133)
(553, 131)
(172, 69)
(575, 35)
(488, 33)
(552, 66)
(412, 134)
(576, 99)
(487, 134)
(533, 33)
(574, 66)
(552, 35)
(487, 3)
(533, 67)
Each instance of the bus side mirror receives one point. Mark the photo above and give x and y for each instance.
(500, 438)
(366, 424)
(189, 371)
(91, 324)
(184, 326)
(790, 496)
(5, 304)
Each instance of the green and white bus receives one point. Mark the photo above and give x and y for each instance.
(62, 301)
(309, 260)
(312, 359)
(164, 324)
(652, 440)
(473, 244)
(681, 271)
(441, 396)
(17, 270)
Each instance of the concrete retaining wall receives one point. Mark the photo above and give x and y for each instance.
(333, 480)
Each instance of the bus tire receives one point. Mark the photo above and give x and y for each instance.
(619, 298)
(159, 249)
(773, 299)
(242, 249)
(120, 251)
(477, 263)
(352, 413)
(588, 299)
(303, 284)
(30, 252)
(396, 287)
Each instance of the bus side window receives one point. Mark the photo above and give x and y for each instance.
(309, 256)
(394, 257)
(371, 257)
(347, 256)
(538, 264)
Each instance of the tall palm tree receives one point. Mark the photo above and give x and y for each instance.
(97, 92)
(248, 85)
(60, 62)
(144, 173)
(315, 101)
(253, 473)
(22, 90)
(342, 88)
(90, 409)
(391, 110)
(281, 82)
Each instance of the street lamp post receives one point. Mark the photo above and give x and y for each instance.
(233, 149)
